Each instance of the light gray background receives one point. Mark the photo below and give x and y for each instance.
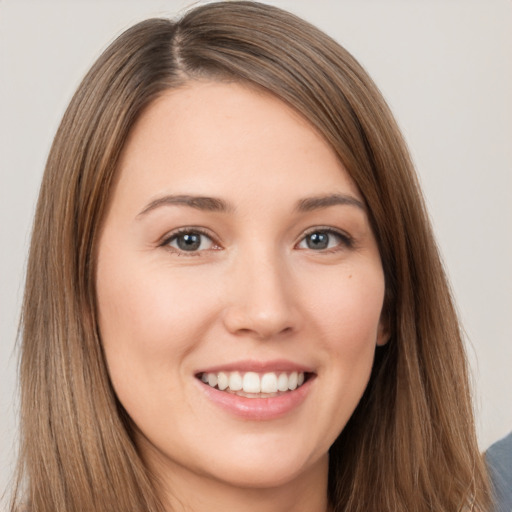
(445, 67)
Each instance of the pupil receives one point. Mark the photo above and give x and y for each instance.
(318, 241)
(189, 242)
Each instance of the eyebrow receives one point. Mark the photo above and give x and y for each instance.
(211, 204)
(214, 204)
(325, 201)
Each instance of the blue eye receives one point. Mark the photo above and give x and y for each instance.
(189, 241)
(323, 239)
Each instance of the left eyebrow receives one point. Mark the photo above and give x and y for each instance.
(319, 202)
(211, 204)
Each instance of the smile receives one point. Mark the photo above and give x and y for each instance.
(253, 384)
(257, 390)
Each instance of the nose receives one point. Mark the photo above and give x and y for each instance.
(261, 299)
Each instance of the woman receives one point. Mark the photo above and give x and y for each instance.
(233, 294)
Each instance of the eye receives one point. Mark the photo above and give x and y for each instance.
(189, 240)
(324, 239)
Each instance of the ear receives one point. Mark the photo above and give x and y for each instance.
(383, 331)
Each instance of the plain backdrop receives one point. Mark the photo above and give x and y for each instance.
(444, 66)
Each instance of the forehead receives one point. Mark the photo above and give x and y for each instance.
(216, 137)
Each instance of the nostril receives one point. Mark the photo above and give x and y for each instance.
(261, 309)
(263, 331)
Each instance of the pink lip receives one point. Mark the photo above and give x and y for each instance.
(258, 367)
(257, 409)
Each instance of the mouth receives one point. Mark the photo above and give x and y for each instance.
(254, 384)
(257, 390)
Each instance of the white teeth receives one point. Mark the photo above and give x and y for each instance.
(269, 383)
(235, 381)
(222, 381)
(212, 379)
(253, 383)
(282, 382)
(292, 380)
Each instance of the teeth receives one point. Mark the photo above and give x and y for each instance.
(222, 381)
(254, 383)
(269, 383)
(251, 383)
(212, 379)
(292, 381)
(282, 382)
(235, 381)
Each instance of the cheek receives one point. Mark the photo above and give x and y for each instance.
(348, 308)
(149, 320)
(344, 313)
(347, 315)
(143, 306)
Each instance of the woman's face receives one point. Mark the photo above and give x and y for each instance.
(236, 251)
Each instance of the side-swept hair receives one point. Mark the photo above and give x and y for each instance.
(410, 444)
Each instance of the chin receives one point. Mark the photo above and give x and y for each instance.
(260, 476)
(266, 470)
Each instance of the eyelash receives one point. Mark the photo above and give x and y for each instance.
(187, 231)
(346, 241)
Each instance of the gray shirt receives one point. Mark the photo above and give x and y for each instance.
(499, 462)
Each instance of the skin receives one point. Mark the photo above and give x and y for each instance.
(254, 290)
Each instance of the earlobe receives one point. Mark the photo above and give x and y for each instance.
(383, 333)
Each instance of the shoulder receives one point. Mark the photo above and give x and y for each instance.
(499, 462)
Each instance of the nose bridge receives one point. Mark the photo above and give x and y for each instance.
(262, 300)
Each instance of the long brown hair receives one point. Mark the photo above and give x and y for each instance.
(410, 444)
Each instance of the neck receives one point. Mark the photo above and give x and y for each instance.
(184, 491)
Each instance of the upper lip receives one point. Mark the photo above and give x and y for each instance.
(277, 365)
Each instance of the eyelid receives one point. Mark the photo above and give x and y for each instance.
(170, 236)
(346, 240)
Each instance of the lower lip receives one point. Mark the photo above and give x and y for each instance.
(258, 409)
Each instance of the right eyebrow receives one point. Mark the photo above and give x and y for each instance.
(325, 201)
(211, 204)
